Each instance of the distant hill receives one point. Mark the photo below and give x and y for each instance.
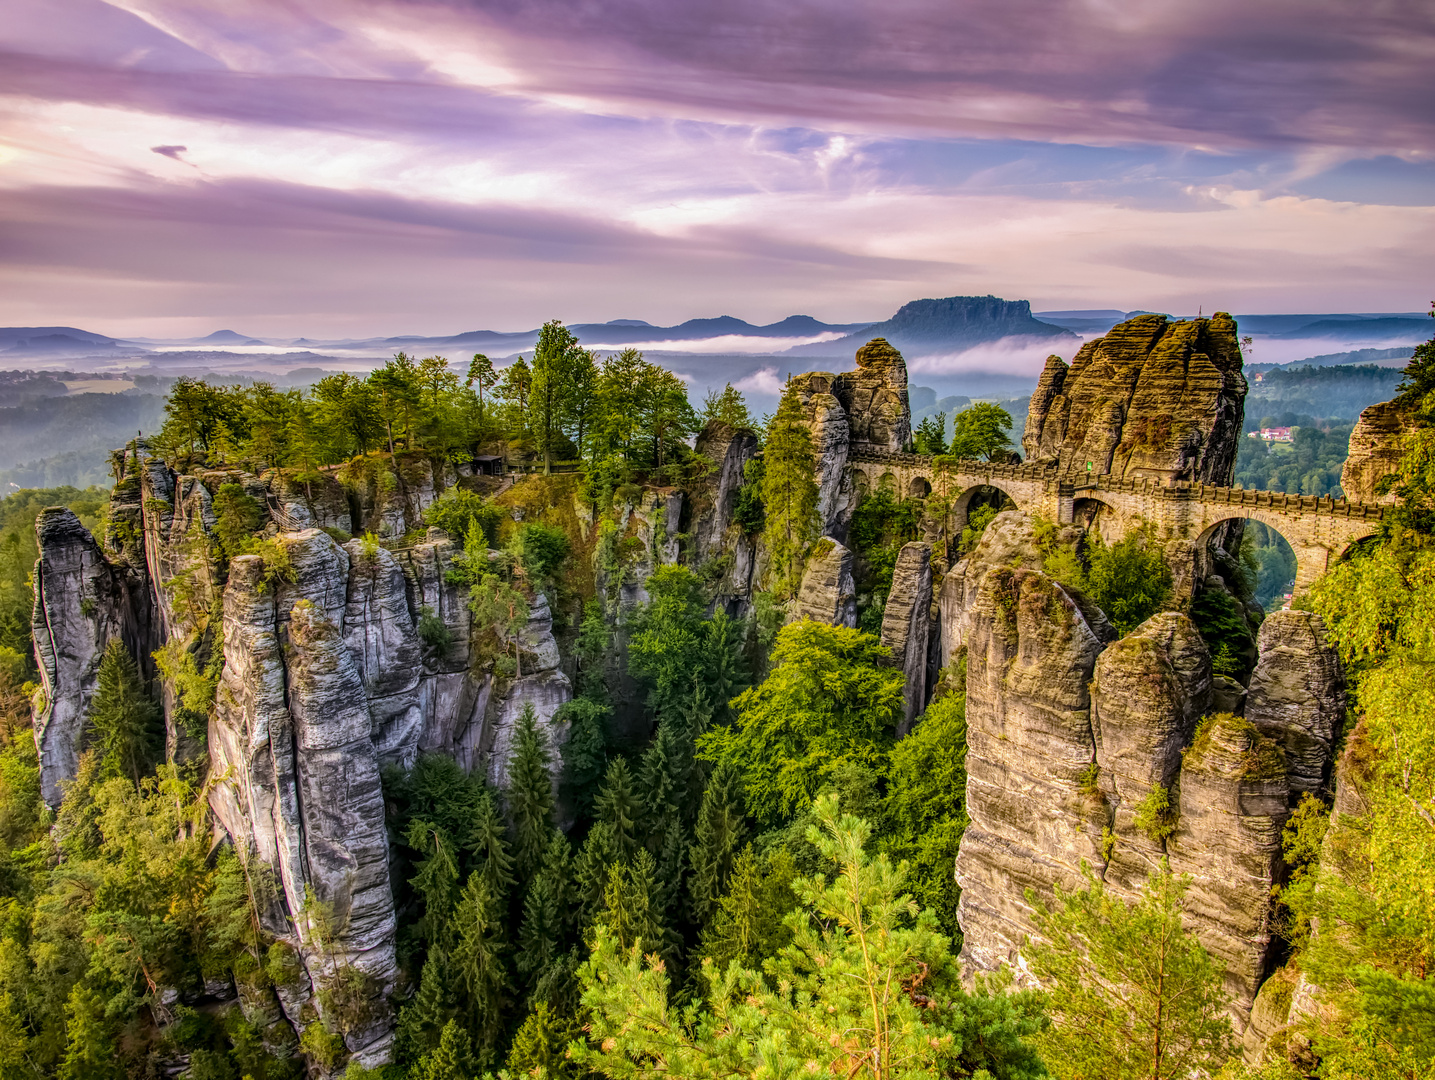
(224, 337)
(11, 335)
(949, 324)
(1416, 328)
(1400, 354)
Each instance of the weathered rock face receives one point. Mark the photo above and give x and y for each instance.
(1007, 541)
(729, 449)
(1150, 399)
(906, 625)
(831, 439)
(829, 591)
(1376, 445)
(1297, 694)
(1233, 805)
(1149, 691)
(875, 397)
(82, 602)
(1030, 746)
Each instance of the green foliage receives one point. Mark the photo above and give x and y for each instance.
(930, 436)
(881, 524)
(1419, 378)
(1128, 580)
(1133, 994)
(530, 795)
(1221, 621)
(747, 509)
(541, 1044)
(585, 758)
(193, 688)
(1155, 815)
(237, 516)
(977, 522)
(452, 1059)
(728, 407)
(789, 494)
(830, 700)
(541, 550)
(716, 839)
(925, 807)
(457, 510)
(749, 923)
(1308, 465)
(980, 431)
(434, 632)
(126, 723)
(847, 997)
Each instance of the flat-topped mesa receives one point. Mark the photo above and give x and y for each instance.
(1152, 399)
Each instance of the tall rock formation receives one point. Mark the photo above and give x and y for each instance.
(1150, 399)
(831, 440)
(907, 623)
(875, 397)
(828, 593)
(1376, 446)
(1296, 694)
(1030, 749)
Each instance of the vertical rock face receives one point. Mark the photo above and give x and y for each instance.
(1030, 655)
(1149, 691)
(831, 439)
(1376, 445)
(1297, 694)
(82, 601)
(729, 449)
(875, 397)
(1233, 806)
(1150, 399)
(829, 591)
(381, 637)
(1007, 541)
(906, 624)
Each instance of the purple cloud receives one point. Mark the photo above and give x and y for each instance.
(172, 152)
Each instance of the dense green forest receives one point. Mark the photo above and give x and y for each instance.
(763, 887)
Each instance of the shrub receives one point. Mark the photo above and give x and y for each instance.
(434, 632)
(1155, 816)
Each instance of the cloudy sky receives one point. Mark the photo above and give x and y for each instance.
(349, 168)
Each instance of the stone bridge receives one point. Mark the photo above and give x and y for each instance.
(1319, 530)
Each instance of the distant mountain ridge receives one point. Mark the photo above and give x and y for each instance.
(948, 324)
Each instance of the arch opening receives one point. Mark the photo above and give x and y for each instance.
(971, 512)
(1253, 557)
(1095, 516)
(919, 488)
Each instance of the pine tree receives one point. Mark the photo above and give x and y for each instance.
(530, 795)
(749, 923)
(424, 1017)
(789, 493)
(665, 890)
(540, 934)
(435, 880)
(617, 807)
(91, 1052)
(717, 838)
(452, 1059)
(542, 1044)
(124, 718)
(478, 963)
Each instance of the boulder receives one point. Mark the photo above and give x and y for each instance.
(1297, 694)
(829, 592)
(1152, 399)
(906, 625)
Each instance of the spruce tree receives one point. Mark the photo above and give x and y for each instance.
(478, 964)
(540, 933)
(424, 1017)
(662, 781)
(789, 493)
(618, 807)
(436, 880)
(530, 795)
(489, 848)
(717, 838)
(628, 911)
(124, 718)
(452, 1059)
(595, 863)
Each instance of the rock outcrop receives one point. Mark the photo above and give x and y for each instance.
(729, 449)
(875, 397)
(1150, 399)
(1297, 694)
(1150, 690)
(82, 602)
(828, 593)
(1233, 806)
(1008, 540)
(906, 625)
(831, 439)
(1376, 446)
(1030, 749)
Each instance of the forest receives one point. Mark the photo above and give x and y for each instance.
(760, 887)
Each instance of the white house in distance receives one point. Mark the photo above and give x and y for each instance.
(1274, 434)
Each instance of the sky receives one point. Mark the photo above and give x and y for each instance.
(349, 168)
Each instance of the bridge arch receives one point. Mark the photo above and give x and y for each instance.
(919, 487)
(1100, 516)
(1314, 552)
